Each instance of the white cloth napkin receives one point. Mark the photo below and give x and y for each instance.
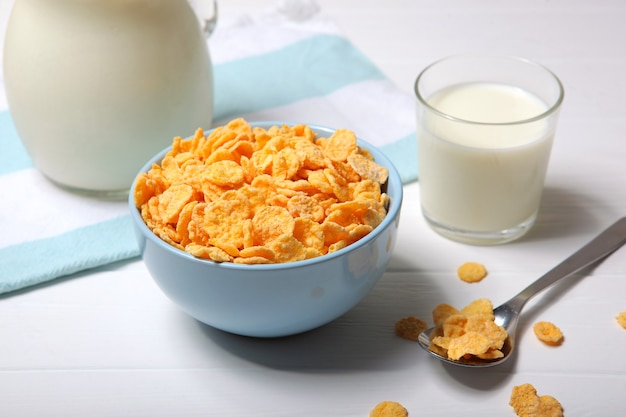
(288, 64)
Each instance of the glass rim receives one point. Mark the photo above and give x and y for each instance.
(551, 109)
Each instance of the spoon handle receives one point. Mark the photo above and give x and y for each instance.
(601, 246)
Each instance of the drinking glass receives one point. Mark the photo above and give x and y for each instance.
(485, 128)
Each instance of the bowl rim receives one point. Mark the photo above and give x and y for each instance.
(393, 211)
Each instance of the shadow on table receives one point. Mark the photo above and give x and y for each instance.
(563, 213)
(362, 339)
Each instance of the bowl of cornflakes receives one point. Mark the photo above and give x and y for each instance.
(267, 229)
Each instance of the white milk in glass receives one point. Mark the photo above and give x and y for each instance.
(482, 170)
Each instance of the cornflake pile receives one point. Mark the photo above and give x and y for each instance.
(249, 195)
(527, 403)
(389, 409)
(469, 333)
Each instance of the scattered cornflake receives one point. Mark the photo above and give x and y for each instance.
(389, 409)
(548, 333)
(621, 319)
(250, 195)
(527, 403)
(472, 272)
(467, 333)
(410, 327)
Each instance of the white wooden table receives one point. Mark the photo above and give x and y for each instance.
(108, 343)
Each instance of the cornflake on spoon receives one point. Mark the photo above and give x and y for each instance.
(467, 333)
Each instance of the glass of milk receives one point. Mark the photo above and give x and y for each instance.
(485, 127)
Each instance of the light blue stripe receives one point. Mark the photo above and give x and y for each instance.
(282, 77)
(403, 153)
(13, 156)
(35, 262)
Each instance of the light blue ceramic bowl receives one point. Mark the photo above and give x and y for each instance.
(279, 299)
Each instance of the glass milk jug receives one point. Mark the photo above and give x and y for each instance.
(97, 87)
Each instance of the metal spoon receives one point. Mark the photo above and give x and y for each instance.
(507, 314)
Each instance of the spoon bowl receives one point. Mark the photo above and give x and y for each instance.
(507, 315)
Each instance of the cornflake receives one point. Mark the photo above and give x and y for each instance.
(410, 327)
(469, 333)
(472, 272)
(527, 403)
(548, 333)
(389, 409)
(621, 319)
(250, 195)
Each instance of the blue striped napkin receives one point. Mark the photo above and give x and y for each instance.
(289, 64)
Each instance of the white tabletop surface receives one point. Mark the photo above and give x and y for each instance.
(108, 343)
